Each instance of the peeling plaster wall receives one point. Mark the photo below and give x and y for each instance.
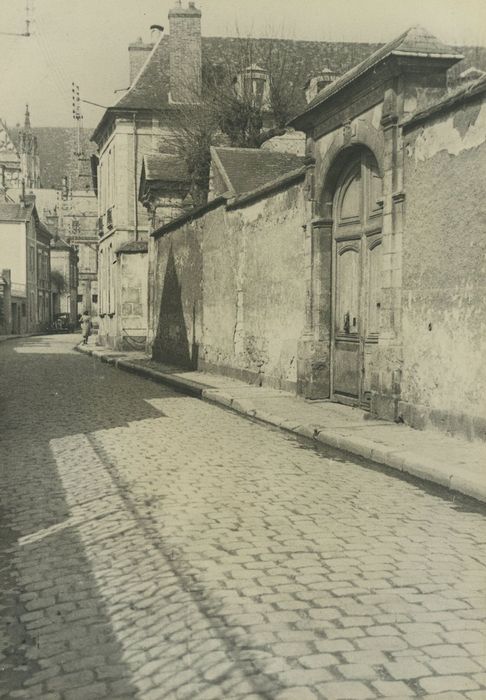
(133, 301)
(230, 291)
(444, 273)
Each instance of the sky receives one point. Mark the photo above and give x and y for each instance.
(86, 41)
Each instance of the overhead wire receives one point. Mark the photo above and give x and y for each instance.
(56, 79)
(52, 64)
(58, 66)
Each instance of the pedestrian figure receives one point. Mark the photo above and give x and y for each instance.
(85, 327)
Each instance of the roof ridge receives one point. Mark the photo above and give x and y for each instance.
(404, 44)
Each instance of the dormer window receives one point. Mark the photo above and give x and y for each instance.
(254, 83)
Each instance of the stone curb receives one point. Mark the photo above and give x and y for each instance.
(401, 460)
(4, 338)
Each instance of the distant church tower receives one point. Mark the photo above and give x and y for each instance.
(29, 155)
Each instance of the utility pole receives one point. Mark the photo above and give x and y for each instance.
(27, 23)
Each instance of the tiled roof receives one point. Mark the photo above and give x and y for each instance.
(60, 244)
(134, 247)
(15, 212)
(247, 169)
(164, 167)
(56, 147)
(416, 41)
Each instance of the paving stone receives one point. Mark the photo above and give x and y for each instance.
(407, 669)
(170, 561)
(87, 692)
(369, 658)
(453, 665)
(446, 696)
(318, 660)
(439, 684)
(334, 645)
(345, 690)
(301, 692)
(357, 671)
(382, 643)
(71, 680)
(301, 677)
(393, 689)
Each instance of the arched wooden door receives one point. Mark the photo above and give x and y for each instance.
(357, 264)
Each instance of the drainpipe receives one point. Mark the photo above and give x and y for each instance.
(135, 183)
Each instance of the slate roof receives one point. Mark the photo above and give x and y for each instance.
(56, 146)
(247, 169)
(416, 41)
(164, 167)
(148, 90)
(10, 211)
(133, 247)
(303, 59)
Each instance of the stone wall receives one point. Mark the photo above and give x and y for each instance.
(444, 268)
(229, 290)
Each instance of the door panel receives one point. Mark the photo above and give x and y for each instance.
(346, 368)
(347, 291)
(357, 282)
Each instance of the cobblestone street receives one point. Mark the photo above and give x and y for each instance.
(155, 546)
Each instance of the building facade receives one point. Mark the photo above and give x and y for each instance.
(25, 252)
(350, 279)
(64, 279)
(139, 124)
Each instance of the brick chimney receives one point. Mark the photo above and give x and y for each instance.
(185, 53)
(137, 55)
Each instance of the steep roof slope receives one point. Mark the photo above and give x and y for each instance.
(300, 59)
(296, 60)
(150, 88)
(164, 166)
(247, 169)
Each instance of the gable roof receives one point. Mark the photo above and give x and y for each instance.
(247, 169)
(415, 41)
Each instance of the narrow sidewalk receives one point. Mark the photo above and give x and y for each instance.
(454, 463)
